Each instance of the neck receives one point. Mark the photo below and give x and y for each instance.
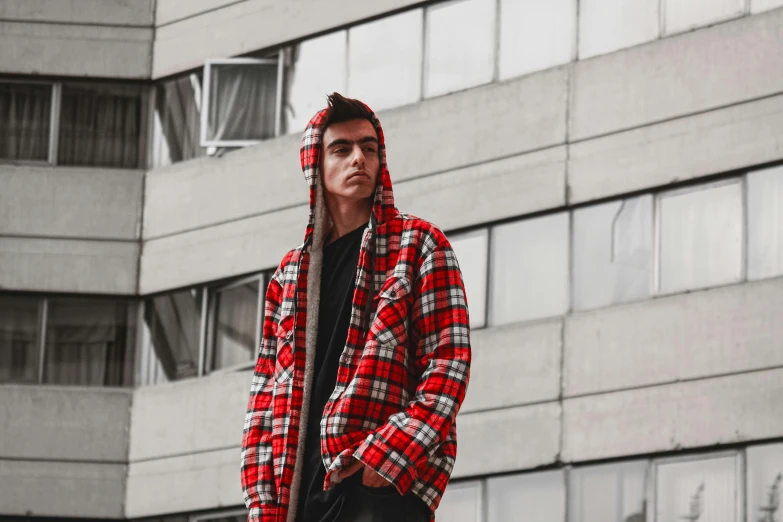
(347, 216)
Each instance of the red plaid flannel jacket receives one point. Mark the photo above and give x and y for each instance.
(403, 373)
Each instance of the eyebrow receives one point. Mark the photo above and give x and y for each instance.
(343, 141)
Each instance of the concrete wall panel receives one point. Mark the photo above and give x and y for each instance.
(209, 190)
(519, 438)
(725, 330)
(75, 50)
(208, 254)
(64, 423)
(227, 29)
(70, 202)
(677, 150)
(714, 67)
(708, 412)
(184, 483)
(191, 416)
(115, 12)
(478, 125)
(514, 365)
(62, 489)
(63, 265)
(487, 192)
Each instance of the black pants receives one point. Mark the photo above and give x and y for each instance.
(385, 504)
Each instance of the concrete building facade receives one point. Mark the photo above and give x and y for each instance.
(610, 174)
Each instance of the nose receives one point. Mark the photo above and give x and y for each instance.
(357, 156)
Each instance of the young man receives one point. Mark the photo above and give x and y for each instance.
(366, 354)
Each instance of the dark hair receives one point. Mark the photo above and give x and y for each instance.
(345, 109)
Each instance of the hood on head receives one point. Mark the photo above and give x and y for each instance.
(310, 158)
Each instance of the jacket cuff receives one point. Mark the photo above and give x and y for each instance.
(262, 514)
(396, 468)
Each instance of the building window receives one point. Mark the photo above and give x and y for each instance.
(765, 483)
(535, 35)
(19, 339)
(462, 502)
(90, 342)
(173, 331)
(454, 60)
(704, 489)
(529, 269)
(177, 120)
(701, 237)
(612, 252)
(190, 333)
(531, 497)
(79, 124)
(608, 493)
(240, 101)
(395, 79)
(235, 324)
(765, 223)
(67, 341)
(103, 125)
(314, 68)
(25, 121)
(609, 25)
(471, 251)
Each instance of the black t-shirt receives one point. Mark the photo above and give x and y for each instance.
(340, 263)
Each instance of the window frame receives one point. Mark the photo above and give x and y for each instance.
(206, 90)
(212, 515)
(54, 121)
(740, 180)
(739, 475)
(211, 323)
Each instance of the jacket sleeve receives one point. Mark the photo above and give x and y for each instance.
(440, 321)
(258, 484)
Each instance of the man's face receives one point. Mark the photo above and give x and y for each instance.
(350, 160)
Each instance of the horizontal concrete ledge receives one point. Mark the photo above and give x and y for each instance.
(184, 484)
(66, 202)
(65, 265)
(61, 423)
(682, 149)
(57, 489)
(514, 365)
(102, 51)
(507, 440)
(117, 12)
(644, 84)
(190, 416)
(725, 330)
(722, 410)
(222, 251)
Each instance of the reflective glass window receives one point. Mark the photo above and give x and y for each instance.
(529, 269)
(681, 15)
(535, 35)
(765, 223)
(471, 251)
(612, 252)
(608, 493)
(609, 25)
(235, 326)
(531, 497)
(461, 502)
(19, 340)
(459, 46)
(701, 237)
(25, 121)
(765, 483)
(177, 120)
(394, 79)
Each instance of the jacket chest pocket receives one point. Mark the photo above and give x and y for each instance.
(284, 362)
(393, 309)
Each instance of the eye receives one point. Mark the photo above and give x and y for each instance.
(369, 149)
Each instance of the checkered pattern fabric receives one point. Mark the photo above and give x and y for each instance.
(402, 375)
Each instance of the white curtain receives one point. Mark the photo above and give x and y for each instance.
(102, 126)
(25, 112)
(177, 114)
(242, 102)
(89, 342)
(18, 339)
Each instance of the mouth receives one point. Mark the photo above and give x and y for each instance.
(358, 173)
